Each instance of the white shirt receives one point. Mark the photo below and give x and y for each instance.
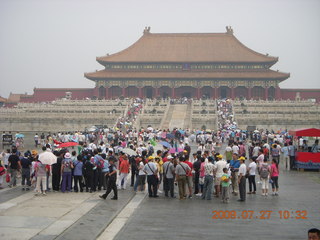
(235, 149)
(255, 151)
(253, 167)
(219, 166)
(242, 169)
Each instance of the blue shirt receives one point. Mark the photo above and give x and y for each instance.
(105, 166)
(77, 171)
(235, 163)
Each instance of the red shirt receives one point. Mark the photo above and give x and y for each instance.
(190, 165)
(124, 166)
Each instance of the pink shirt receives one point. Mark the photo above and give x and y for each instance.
(274, 170)
(202, 169)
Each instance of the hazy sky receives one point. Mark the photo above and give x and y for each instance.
(50, 44)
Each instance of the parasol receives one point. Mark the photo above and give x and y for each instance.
(47, 158)
(129, 151)
(165, 144)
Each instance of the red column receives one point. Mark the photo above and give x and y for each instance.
(232, 93)
(266, 93)
(96, 92)
(216, 93)
(107, 92)
(157, 92)
(249, 93)
(172, 93)
(198, 93)
(278, 93)
(123, 92)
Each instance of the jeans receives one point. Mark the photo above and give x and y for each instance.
(207, 187)
(25, 177)
(252, 182)
(122, 177)
(78, 179)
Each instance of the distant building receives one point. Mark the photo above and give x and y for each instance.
(193, 65)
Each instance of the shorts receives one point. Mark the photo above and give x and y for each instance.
(217, 181)
(201, 180)
(189, 181)
(265, 183)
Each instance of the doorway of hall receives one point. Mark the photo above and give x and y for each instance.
(149, 92)
(223, 92)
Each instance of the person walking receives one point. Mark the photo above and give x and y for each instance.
(274, 173)
(208, 179)
(41, 174)
(124, 169)
(77, 174)
(14, 167)
(112, 179)
(242, 180)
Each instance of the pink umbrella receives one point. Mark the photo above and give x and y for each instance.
(173, 150)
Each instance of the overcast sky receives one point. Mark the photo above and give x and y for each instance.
(51, 43)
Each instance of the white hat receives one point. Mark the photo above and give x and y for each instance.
(67, 155)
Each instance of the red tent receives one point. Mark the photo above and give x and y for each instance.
(305, 132)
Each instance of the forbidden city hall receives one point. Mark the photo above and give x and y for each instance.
(175, 65)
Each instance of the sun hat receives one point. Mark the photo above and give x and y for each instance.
(67, 155)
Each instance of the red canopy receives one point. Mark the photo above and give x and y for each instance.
(306, 132)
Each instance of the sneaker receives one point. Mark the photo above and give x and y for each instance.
(159, 191)
(44, 193)
(273, 194)
(23, 189)
(249, 192)
(276, 194)
(199, 194)
(27, 189)
(190, 196)
(10, 186)
(100, 196)
(114, 198)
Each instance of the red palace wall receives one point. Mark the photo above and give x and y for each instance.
(47, 94)
(304, 94)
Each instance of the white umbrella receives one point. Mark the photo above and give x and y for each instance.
(47, 158)
(255, 131)
(129, 151)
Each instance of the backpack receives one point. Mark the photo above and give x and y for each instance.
(264, 172)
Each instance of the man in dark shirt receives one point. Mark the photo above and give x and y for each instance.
(25, 175)
(14, 166)
(112, 179)
(196, 167)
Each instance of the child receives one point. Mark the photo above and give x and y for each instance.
(225, 183)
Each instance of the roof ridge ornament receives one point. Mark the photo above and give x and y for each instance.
(229, 30)
(146, 30)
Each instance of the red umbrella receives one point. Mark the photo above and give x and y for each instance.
(68, 144)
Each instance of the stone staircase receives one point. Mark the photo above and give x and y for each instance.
(176, 116)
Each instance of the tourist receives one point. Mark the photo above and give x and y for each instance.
(208, 179)
(201, 176)
(104, 170)
(313, 234)
(88, 171)
(228, 152)
(275, 152)
(124, 170)
(242, 180)
(219, 165)
(252, 176)
(274, 174)
(141, 177)
(56, 171)
(66, 168)
(151, 170)
(292, 155)
(196, 168)
(2, 174)
(304, 146)
(264, 171)
(77, 174)
(225, 183)
(41, 175)
(181, 172)
(285, 156)
(112, 179)
(25, 174)
(234, 168)
(168, 180)
(189, 176)
(14, 167)
(259, 160)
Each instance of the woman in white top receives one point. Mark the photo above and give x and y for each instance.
(252, 176)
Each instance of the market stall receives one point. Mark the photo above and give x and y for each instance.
(307, 160)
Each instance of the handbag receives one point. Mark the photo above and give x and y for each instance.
(247, 175)
(8, 178)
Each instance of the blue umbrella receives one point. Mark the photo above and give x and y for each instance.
(181, 131)
(165, 144)
(20, 135)
(169, 135)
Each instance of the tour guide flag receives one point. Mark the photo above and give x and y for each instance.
(153, 142)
